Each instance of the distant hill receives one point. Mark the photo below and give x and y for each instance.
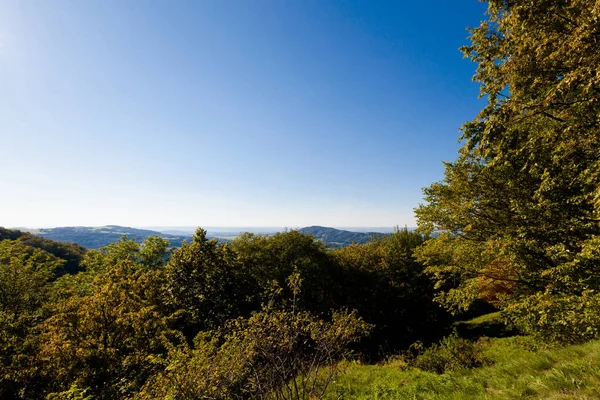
(338, 237)
(96, 237)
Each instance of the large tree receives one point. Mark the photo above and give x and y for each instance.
(519, 209)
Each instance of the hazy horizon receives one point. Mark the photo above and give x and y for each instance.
(225, 229)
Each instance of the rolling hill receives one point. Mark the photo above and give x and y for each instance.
(96, 237)
(339, 237)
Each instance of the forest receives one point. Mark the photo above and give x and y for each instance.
(496, 295)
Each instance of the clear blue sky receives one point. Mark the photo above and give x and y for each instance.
(229, 113)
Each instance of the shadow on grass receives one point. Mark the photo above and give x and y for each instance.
(490, 325)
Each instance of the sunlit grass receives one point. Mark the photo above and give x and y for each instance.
(519, 370)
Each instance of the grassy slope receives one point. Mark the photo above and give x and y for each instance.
(518, 371)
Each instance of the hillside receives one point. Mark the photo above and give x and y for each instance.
(516, 368)
(70, 252)
(338, 237)
(96, 237)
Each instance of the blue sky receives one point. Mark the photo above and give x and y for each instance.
(229, 113)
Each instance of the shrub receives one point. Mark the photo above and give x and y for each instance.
(273, 354)
(451, 353)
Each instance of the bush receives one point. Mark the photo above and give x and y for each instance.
(271, 355)
(451, 353)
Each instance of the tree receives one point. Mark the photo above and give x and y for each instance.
(383, 281)
(270, 260)
(70, 252)
(25, 282)
(520, 206)
(109, 339)
(206, 285)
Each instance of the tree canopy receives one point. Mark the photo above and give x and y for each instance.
(519, 209)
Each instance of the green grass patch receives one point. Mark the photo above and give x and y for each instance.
(490, 325)
(519, 369)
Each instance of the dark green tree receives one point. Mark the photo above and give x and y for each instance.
(207, 285)
(271, 260)
(387, 286)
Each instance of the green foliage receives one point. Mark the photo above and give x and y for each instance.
(519, 209)
(119, 328)
(569, 309)
(25, 278)
(207, 285)
(206, 371)
(109, 340)
(466, 271)
(273, 354)
(73, 393)
(25, 274)
(142, 322)
(385, 283)
(72, 254)
(559, 318)
(270, 260)
(450, 354)
(154, 252)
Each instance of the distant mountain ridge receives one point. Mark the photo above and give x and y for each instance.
(338, 237)
(96, 237)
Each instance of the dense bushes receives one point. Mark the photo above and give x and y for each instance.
(270, 260)
(273, 354)
(207, 285)
(388, 287)
(262, 316)
(109, 340)
(71, 254)
(26, 274)
(381, 280)
(563, 318)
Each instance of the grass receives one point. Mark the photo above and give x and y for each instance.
(518, 369)
(490, 325)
